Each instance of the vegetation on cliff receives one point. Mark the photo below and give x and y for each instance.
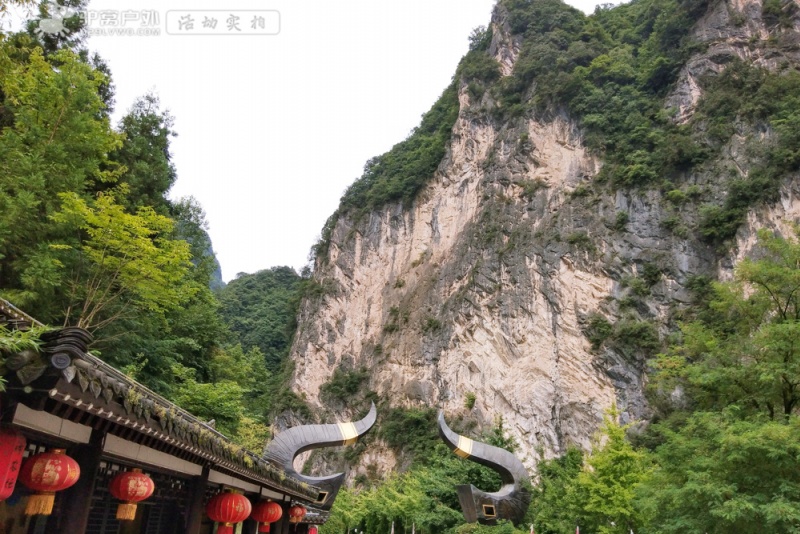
(718, 454)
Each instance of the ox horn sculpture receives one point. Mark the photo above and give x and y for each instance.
(296, 440)
(511, 501)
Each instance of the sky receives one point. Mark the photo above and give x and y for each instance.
(273, 127)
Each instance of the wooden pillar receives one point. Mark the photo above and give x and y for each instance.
(195, 511)
(282, 526)
(249, 527)
(78, 499)
(8, 408)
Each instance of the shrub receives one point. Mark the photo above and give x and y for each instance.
(469, 400)
(598, 330)
(636, 339)
(531, 187)
(431, 325)
(580, 240)
(621, 220)
(344, 384)
(413, 429)
(651, 273)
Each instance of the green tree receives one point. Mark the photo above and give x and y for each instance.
(71, 24)
(126, 260)
(502, 527)
(425, 497)
(720, 474)
(221, 401)
(605, 489)
(149, 171)
(54, 139)
(192, 227)
(746, 351)
(5, 4)
(549, 510)
(596, 493)
(14, 341)
(348, 509)
(730, 466)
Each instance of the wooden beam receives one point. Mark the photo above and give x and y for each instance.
(194, 508)
(77, 499)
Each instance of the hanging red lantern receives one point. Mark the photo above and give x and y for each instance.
(47, 473)
(312, 530)
(296, 513)
(131, 487)
(266, 512)
(228, 509)
(12, 446)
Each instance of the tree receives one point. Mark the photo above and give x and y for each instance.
(68, 32)
(125, 260)
(425, 497)
(14, 341)
(720, 474)
(5, 4)
(549, 511)
(145, 154)
(346, 513)
(221, 401)
(260, 309)
(54, 139)
(192, 227)
(746, 351)
(730, 465)
(597, 492)
(605, 489)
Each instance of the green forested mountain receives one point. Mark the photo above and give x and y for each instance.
(260, 309)
(89, 237)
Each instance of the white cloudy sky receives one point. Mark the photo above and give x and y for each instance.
(272, 129)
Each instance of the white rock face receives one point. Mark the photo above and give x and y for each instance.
(532, 365)
(484, 285)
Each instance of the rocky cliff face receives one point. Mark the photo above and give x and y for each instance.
(488, 284)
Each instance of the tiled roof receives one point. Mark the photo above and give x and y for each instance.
(76, 378)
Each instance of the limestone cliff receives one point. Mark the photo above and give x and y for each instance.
(488, 283)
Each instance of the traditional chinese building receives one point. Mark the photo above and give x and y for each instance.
(62, 397)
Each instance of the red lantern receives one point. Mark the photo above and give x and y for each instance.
(312, 530)
(228, 509)
(296, 513)
(131, 487)
(266, 512)
(47, 473)
(12, 445)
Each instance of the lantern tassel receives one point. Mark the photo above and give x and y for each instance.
(263, 527)
(40, 504)
(225, 528)
(126, 511)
